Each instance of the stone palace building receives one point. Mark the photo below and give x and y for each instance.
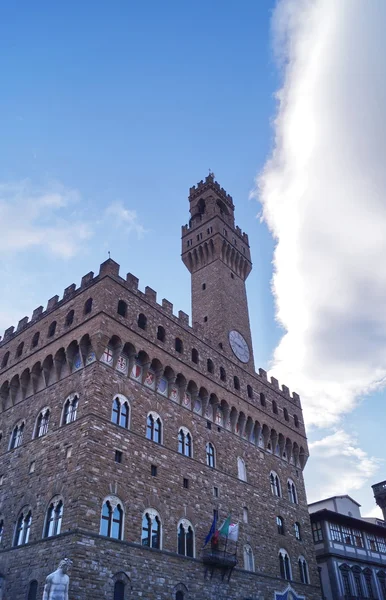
(125, 432)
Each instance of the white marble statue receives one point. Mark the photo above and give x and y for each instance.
(57, 583)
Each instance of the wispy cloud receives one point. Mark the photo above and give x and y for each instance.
(323, 196)
(339, 465)
(40, 216)
(125, 218)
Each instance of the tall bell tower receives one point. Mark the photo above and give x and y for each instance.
(217, 254)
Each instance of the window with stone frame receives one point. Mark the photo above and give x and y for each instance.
(35, 339)
(262, 399)
(284, 565)
(185, 538)
(303, 570)
(317, 531)
(357, 573)
(185, 444)
(23, 527)
(42, 423)
(4, 362)
(210, 455)
(121, 411)
(1, 529)
(335, 532)
(32, 590)
(195, 356)
(297, 531)
(291, 489)
(178, 345)
(151, 529)
(368, 575)
(19, 350)
(112, 518)
(119, 590)
(122, 308)
(54, 517)
(179, 595)
(70, 409)
(210, 366)
(154, 428)
(142, 321)
(70, 318)
(52, 329)
(346, 581)
(280, 525)
(249, 560)
(88, 306)
(17, 436)
(381, 576)
(161, 334)
(275, 484)
(241, 469)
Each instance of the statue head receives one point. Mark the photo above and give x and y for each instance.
(65, 565)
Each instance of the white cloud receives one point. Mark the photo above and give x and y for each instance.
(125, 217)
(338, 466)
(323, 195)
(32, 217)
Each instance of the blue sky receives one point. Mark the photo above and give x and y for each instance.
(109, 112)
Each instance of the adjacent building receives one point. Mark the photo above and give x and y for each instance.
(350, 550)
(125, 431)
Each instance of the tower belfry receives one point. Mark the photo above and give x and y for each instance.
(217, 254)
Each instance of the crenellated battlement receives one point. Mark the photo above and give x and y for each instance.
(203, 186)
(110, 268)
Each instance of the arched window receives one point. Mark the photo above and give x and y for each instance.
(185, 442)
(195, 356)
(70, 409)
(35, 339)
(280, 525)
(4, 362)
(70, 318)
(210, 365)
(274, 407)
(381, 576)
(151, 529)
(297, 531)
(249, 562)
(121, 411)
(185, 538)
(285, 413)
(236, 382)
(17, 436)
(179, 345)
(210, 455)
(241, 469)
(285, 565)
(23, 526)
(142, 321)
(122, 308)
(54, 518)
(275, 484)
(357, 573)
(292, 496)
(223, 375)
(42, 423)
(262, 399)
(19, 350)
(368, 574)
(346, 583)
(303, 571)
(296, 421)
(52, 329)
(249, 392)
(161, 335)
(32, 590)
(179, 595)
(88, 306)
(119, 590)
(154, 428)
(112, 518)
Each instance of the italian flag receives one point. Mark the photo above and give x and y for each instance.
(229, 530)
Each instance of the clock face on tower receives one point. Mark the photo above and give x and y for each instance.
(239, 346)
